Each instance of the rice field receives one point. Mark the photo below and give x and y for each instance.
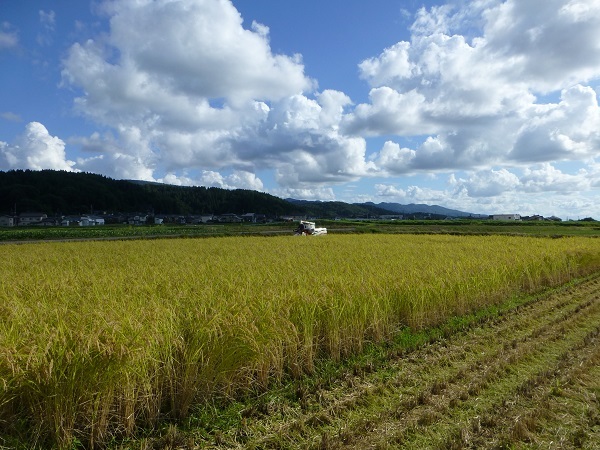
(101, 339)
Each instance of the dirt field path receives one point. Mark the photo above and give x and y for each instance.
(528, 379)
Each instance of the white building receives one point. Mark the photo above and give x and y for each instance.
(30, 218)
(90, 221)
(506, 217)
(7, 221)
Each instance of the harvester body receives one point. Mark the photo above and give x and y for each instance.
(308, 229)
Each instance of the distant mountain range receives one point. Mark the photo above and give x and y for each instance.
(59, 192)
(319, 208)
(332, 210)
(413, 208)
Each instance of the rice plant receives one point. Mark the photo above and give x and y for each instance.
(101, 339)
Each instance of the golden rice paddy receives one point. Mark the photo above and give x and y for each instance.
(98, 339)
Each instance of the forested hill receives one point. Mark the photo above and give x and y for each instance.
(339, 209)
(60, 192)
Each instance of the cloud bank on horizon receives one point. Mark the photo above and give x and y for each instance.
(488, 106)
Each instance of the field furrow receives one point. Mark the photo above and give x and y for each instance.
(486, 387)
(528, 417)
(493, 391)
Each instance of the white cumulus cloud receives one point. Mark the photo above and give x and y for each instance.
(476, 96)
(491, 93)
(207, 94)
(35, 149)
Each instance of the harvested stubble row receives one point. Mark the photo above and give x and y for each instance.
(98, 339)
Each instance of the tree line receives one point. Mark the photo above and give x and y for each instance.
(62, 193)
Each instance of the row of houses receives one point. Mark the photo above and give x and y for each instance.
(227, 218)
(193, 219)
(42, 219)
(518, 217)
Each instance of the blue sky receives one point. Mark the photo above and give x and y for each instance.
(487, 106)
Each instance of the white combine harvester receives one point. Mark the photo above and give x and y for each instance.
(308, 229)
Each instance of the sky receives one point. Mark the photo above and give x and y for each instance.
(485, 106)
